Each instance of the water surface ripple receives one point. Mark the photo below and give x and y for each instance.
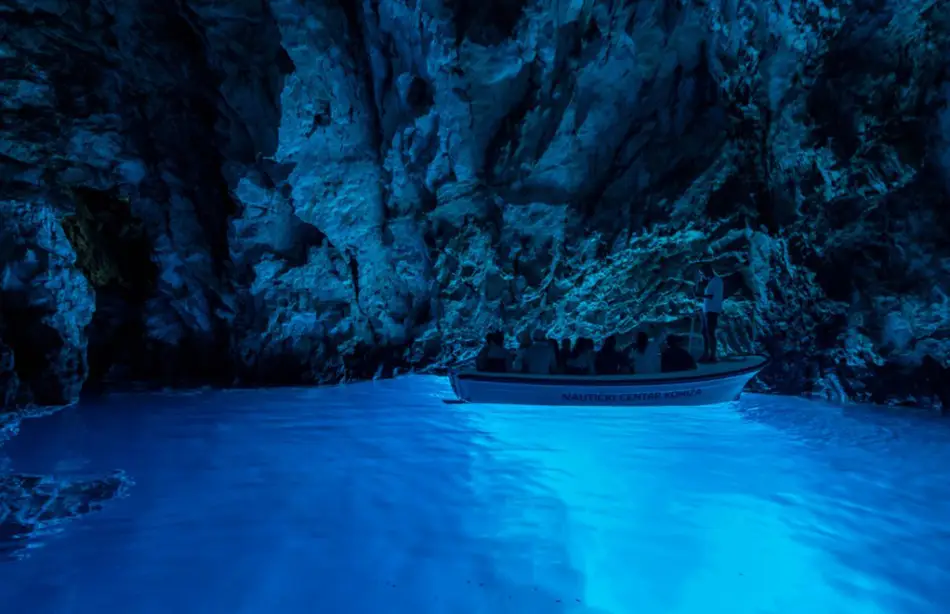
(377, 498)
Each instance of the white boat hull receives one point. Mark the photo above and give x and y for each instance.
(710, 384)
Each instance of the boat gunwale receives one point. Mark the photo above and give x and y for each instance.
(608, 380)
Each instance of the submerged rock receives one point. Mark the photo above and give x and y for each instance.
(284, 191)
(32, 505)
(9, 426)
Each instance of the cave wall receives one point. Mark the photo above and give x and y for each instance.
(304, 191)
(45, 306)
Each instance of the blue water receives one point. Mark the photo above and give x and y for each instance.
(378, 499)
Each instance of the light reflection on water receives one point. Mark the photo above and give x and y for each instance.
(378, 498)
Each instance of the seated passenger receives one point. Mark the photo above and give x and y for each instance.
(558, 362)
(581, 360)
(563, 354)
(610, 360)
(645, 353)
(538, 357)
(674, 357)
(493, 357)
(524, 342)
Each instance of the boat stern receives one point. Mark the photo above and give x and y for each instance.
(454, 382)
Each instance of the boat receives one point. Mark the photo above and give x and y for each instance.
(709, 384)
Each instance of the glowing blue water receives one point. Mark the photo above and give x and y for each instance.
(378, 499)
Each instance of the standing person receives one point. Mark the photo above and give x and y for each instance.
(712, 307)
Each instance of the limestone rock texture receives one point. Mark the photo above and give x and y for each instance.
(293, 191)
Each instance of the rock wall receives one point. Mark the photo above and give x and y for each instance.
(285, 191)
(45, 306)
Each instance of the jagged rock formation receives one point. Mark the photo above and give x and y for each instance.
(9, 426)
(291, 190)
(45, 306)
(33, 505)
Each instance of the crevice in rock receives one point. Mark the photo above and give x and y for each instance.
(322, 118)
(502, 156)
(354, 268)
(24, 330)
(360, 47)
(357, 45)
(306, 237)
(722, 201)
(112, 245)
(622, 160)
(114, 252)
(485, 22)
(419, 96)
(375, 361)
(500, 153)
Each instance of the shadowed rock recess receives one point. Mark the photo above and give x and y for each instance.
(291, 191)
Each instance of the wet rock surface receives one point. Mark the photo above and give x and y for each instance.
(285, 191)
(33, 506)
(9, 426)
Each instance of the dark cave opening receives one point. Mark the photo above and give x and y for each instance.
(723, 200)
(486, 22)
(112, 246)
(211, 194)
(833, 101)
(841, 100)
(306, 237)
(114, 252)
(420, 97)
(33, 342)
